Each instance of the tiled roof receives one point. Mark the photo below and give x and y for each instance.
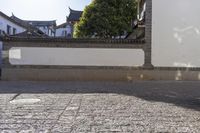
(25, 24)
(28, 26)
(29, 34)
(63, 25)
(33, 24)
(74, 15)
(12, 20)
(42, 23)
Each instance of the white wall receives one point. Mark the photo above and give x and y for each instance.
(3, 26)
(76, 56)
(176, 33)
(59, 32)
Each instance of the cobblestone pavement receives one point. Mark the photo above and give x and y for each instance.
(55, 107)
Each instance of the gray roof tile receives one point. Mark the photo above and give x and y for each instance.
(74, 15)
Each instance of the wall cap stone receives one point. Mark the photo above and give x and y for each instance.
(73, 40)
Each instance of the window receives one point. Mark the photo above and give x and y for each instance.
(14, 31)
(8, 29)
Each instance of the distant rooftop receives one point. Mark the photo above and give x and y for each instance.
(74, 15)
(41, 23)
(28, 26)
(29, 34)
(63, 25)
(33, 22)
(12, 20)
(25, 24)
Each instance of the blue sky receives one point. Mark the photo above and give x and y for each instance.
(41, 9)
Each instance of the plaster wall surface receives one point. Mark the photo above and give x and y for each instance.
(176, 33)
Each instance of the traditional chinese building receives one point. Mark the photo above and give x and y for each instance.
(9, 26)
(64, 30)
(47, 27)
(73, 18)
(31, 31)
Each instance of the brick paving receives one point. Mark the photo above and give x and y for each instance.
(91, 107)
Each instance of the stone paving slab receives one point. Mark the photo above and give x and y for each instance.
(90, 107)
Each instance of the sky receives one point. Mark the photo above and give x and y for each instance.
(41, 9)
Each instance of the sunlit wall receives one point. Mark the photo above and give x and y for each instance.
(176, 33)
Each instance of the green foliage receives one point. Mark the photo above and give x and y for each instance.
(106, 18)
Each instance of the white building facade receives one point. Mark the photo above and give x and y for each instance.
(9, 26)
(64, 30)
(47, 27)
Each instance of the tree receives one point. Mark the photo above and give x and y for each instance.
(106, 18)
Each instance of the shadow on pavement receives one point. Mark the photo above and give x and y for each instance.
(184, 94)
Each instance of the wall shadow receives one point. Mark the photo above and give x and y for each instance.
(180, 93)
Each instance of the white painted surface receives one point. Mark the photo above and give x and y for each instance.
(3, 26)
(60, 32)
(76, 56)
(176, 33)
(69, 29)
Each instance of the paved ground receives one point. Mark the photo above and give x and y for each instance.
(99, 107)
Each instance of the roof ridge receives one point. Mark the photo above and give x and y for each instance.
(61, 25)
(28, 26)
(40, 20)
(12, 20)
(72, 10)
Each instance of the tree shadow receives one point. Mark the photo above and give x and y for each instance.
(179, 93)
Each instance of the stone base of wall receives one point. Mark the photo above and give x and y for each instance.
(28, 74)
